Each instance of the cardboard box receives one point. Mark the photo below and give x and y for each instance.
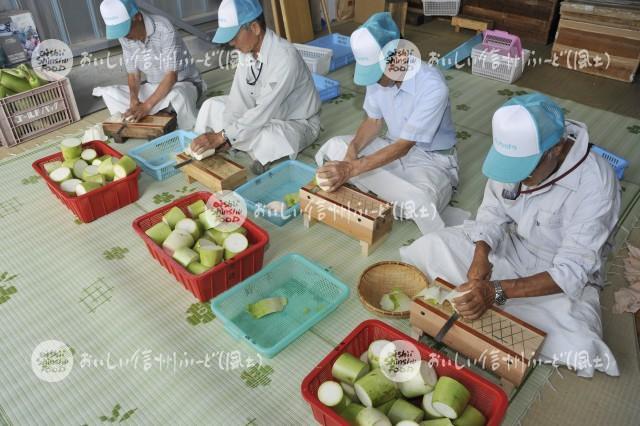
(18, 26)
(366, 8)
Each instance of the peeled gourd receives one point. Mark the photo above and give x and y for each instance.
(177, 240)
(349, 369)
(173, 216)
(450, 397)
(124, 167)
(60, 174)
(158, 232)
(395, 301)
(71, 148)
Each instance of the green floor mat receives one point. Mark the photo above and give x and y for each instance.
(144, 350)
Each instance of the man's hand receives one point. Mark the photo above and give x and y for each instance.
(352, 153)
(480, 269)
(133, 105)
(480, 297)
(337, 173)
(140, 111)
(207, 141)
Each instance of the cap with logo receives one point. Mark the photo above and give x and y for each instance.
(524, 128)
(233, 14)
(117, 16)
(371, 45)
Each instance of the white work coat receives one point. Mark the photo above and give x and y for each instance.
(563, 230)
(273, 109)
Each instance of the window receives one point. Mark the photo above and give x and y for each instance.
(78, 22)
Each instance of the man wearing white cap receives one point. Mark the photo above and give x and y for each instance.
(540, 238)
(273, 109)
(150, 45)
(415, 165)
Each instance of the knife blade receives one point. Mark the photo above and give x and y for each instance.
(446, 327)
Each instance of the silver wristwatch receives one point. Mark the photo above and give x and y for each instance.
(501, 297)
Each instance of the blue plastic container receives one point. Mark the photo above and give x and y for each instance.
(286, 178)
(341, 46)
(312, 293)
(158, 157)
(327, 88)
(619, 164)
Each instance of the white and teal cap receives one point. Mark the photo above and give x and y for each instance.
(372, 45)
(524, 128)
(233, 14)
(117, 16)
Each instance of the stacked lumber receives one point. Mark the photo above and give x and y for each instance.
(602, 40)
(531, 20)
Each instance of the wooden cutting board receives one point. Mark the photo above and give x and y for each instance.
(150, 127)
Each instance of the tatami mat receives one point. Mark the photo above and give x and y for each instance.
(142, 314)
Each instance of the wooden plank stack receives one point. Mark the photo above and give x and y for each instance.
(602, 40)
(531, 20)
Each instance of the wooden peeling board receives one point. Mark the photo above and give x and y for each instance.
(216, 173)
(150, 127)
(296, 16)
(350, 211)
(498, 341)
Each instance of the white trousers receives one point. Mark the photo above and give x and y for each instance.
(420, 184)
(278, 139)
(573, 326)
(182, 99)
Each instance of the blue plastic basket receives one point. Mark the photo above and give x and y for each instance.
(341, 46)
(619, 164)
(312, 293)
(157, 157)
(286, 178)
(326, 87)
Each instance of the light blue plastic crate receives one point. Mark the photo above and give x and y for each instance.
(286, 178)
(326, 87)
(158, 157)
(312, 293)
(341, 46)
(619, 164)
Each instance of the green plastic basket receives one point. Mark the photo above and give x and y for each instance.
(312, 294)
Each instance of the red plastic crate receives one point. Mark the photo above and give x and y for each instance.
(222, 277)
(101, 201)
(485, 396)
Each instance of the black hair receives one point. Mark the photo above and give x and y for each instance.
(262, 22)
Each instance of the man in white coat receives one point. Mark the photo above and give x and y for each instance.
(415, 165)
(273, 109)
(538, 244)
(150, 45)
